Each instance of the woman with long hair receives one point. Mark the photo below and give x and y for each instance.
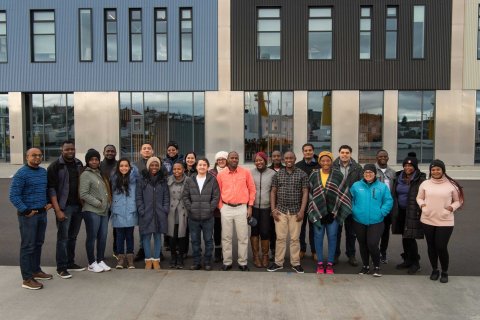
(190, 163)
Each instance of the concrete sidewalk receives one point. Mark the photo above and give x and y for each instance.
(141, 294)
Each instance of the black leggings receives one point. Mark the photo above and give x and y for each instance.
(410, 249)
(178, 245)
(437, 242)
(262, 228)
(368, 237)
(217, 232)
(386, 235)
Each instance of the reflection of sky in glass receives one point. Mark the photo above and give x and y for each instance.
(51, 100)
(198, 104)
(85, 34)
(137, 102)
(180, 102)
(371, 102)
(157, 101)
(3, 100)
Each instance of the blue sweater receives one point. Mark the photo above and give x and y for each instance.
(29, 189)
(371, 202)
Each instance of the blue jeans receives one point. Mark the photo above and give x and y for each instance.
(319, 232)
(67, 232)
(124, 235)
(97, 230)
(196, 227)
(157, 245)
(32, 234)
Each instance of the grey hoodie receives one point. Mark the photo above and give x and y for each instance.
(263, 185)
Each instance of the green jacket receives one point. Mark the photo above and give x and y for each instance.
(94, 192)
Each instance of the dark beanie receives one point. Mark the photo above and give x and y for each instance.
(437, 163)
(371, 167)
(90, 154)
(410, 160)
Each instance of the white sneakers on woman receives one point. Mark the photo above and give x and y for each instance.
(104, 266)
(98, 267)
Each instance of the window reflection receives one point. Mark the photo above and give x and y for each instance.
(268, 33)
(320, 120)
(418, 32)
(320, 27)
(477, 130)
(85, 35)
(4, 129)
(370, 135)
(43, 31)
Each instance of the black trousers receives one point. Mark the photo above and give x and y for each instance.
(303, 234)
(368, 237)
(386, 235)
(410, 249)
(178, 245)
(217, 232)
(349, 238)
(273, 234)
(262, 228)
(437, 242)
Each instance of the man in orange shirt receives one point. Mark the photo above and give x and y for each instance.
(237, 194)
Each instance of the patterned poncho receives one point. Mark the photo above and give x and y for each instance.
(334, 198)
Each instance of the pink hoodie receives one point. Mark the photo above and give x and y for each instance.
(437, 195)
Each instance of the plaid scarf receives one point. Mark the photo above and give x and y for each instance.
(334, 198)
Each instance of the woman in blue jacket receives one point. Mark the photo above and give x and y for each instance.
(372, 201)
(124, 210)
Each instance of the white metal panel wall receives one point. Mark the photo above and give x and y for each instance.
(345, 124)
(17, 139)
(300, 121)
(471, 78)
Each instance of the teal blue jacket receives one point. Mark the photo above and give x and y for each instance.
(371, 202)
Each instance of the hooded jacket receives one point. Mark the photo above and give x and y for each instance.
(371, 202)
(124, 208)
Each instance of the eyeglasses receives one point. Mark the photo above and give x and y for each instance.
(36, 156)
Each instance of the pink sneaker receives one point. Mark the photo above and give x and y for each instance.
(329, 269)
(320, 269)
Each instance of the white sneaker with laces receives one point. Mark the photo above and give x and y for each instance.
(94, 267)
(104, 266)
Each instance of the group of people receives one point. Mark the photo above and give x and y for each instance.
(184, 200)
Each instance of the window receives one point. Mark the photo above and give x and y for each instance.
(268, 122)
(3, 36)
(268, 34)
(477, 130)
(320, 33)
(391, 30)
(365, 32)
(136, 35)
(4, 128)
(478, 35)
(370, 135)
(320, 119)
(161, 52)
(418, 32)
(86, 34)
(416, 125)
(110, 20)
(186, 34)
(43, 36)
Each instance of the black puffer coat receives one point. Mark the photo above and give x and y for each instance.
(409, 224)
(201, 205)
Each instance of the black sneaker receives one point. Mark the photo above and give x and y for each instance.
(364, 270)
(226, 267)
(403, 265)
(274, 267)
(207, 267)
(298, 269)
(444, 277)
(64, 274)
(75, 267)
(376, 272)
(435, 275)
(243, 268)
(140, 255)
(196, 267)
(414, 268)
(383, 258)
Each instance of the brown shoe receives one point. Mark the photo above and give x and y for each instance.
(302, 254)
(32, 284)
(156, 264)
(120, 261)
(315, 258)
(255, 248)
(42, 276)
(148, 264)
(130, 261)
(265, 247)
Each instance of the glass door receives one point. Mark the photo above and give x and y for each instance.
(4, 129)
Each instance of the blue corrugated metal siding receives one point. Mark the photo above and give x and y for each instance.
(69, 74)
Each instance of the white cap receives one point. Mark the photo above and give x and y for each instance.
(221, 154)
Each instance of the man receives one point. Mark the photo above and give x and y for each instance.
(288, 199)
(352, 172)
(276, 161)
(63, 180)
(308, 164)
(146, 152)
(276, 166)
(237, 195)
(108, 167)
(386, 175)
(28, 193)
(172, 156)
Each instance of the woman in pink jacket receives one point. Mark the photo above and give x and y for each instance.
(439, 197)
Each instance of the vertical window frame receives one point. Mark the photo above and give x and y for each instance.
(478, 33)
(131, 33)
(32, 35)
(394, 30)
(181, 10)
(369, 31)
(155, 20)
(106, 33)
(424, 31)
(80, 34)
(4, 35)
(258, 56)
(332, 53)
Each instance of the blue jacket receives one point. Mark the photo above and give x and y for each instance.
(124, 208)
(29, 189)
(371, 202)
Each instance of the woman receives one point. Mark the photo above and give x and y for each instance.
(200, 196)
(153, 203)
(371, 202)
(220, 164)
(261, 211)
(124, 210)
(94, 191)
(329, 206)
(406, 212)
(190, 163)
(439, 197)
(177, 216)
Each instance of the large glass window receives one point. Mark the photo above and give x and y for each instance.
(320, 33)
(186, 34)
(478, 35)
(319, 124)
(136, 35)
(4, 129)
(43, 36)
(86, 34)
(477, 130)
(268, 33)
(50, 121)
(161, 53)
(391, 30)
(110, 20)
(3, 36)
(158, 117)
(370, 133)
(418, 32)
(365, 32)
(416, 125)
(268, 122)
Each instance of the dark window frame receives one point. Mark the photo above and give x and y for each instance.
(32, 34)
(478, 33)
(332, 30)
(424, 31)
(5, 35)
(395, 30)
(181, 9)
(80, 34)
(131, 32)
(370, 17)
(155, 20)
(106, 33)
(258, 58)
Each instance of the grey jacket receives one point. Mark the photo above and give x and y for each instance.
(176, 205)
(59, 180)
(200, 205)
(94, 192)
(263, 185)
(390, 174)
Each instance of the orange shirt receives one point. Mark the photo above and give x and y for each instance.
(236, 186)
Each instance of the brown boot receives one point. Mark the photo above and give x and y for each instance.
(156, 264)
(120, 261)
(148, 264)
(130, 261)
(255, 248)
(265, 248)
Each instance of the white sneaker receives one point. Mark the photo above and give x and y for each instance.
(104, 266)
(94, 267)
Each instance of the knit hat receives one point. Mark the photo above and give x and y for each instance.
(437, 163)
(410, 160)
(370, 167)
(153, 159)
(262, 155)
(221, 154)
(90, 154)
(325, 153)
